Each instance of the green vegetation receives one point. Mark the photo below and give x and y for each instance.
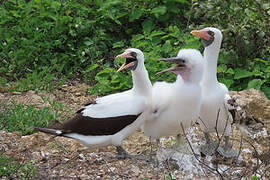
(44, 42)
(171, 176)
(19, 117)
(10, 169)
(254, 178)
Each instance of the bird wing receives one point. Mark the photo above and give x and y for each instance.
(227, 106)
(105, 116)
(120, 104)
(160, 100)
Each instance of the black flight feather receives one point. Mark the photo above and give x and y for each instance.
(86, 125)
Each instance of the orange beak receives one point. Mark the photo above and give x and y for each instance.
(125, 66)
(203, 33)
(124, 55)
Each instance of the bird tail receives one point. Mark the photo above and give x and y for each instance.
(50, 131)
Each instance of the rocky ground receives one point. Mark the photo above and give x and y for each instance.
(62, 158)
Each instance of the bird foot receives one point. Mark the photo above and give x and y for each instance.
(181, 149)
(123, 154)
(227, 152)
(209, 149)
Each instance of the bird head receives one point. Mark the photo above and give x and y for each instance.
(189, 64)
(133, 58)
(210, 36)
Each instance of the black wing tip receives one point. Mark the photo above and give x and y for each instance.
(87, 104)
(80, 110)
(91, 102)
(50, 131)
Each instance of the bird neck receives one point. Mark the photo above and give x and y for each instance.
(141, 82)
(192, 76)
(210, 73)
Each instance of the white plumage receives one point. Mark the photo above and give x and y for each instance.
(178, 102)
(110, 119)
(131, 102)
(214, 94)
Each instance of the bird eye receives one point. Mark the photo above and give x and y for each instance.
(133, 54)
(211, 33)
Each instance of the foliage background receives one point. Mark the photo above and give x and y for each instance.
(45, 42)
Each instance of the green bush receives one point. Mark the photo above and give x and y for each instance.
(51, 40)
(244, 60)
(70, 36)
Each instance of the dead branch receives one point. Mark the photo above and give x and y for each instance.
(214, 171)
(202, 122)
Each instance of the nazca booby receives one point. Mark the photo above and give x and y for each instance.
(214, 96)
(178, 102)
(112, 118)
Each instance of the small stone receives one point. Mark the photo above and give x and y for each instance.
(77, 94)
(81, 156)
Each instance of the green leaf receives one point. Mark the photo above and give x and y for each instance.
(241, 73)
(255, 83)
(157, 34)
(221, 68)
(266, 91)
(171, 177)
(118, 44)
(226, 81)
(230, 71)
(160, 10)
(261, 60)
(92, 67)
(135, 14)
(148, 26)
(106, 71)
(254, 178)
(167, 47)
(88, 43)
(137, 37)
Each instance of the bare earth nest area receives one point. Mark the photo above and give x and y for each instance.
(63, 158)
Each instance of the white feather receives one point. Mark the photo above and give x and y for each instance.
(176, 103)
(121, 104)
(131, 102)
(214, 94)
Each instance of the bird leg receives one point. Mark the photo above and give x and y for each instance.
(180, 144)
(158, 144)
(210, 146)
(123, 154)
(151, 150)
(227, 150)
(154, 153)
(179, 140)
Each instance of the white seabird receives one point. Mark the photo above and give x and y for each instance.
(176, 103)
(214, 95)
(110, 119)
